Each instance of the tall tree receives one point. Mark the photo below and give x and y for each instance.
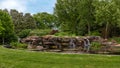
(22, 21)
(45, 20)
(76, 16)
(8, 26)
(1, 27)
(86, 12)
(29, 21)
(17, 20)
(107, 15)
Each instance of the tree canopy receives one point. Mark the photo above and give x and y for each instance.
(89, 16)
(22, 21)
(76, 16)
(7, 26)
(45, 20)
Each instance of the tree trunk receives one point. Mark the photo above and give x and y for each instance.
(3, 41)
(106, 30)
(89, 32)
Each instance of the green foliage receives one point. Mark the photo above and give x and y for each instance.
(74, 14)
(45, 20)
(18, 45)
(22, 21)
(29, 22)
(8, 26)
(107, 15)
(64, 34)
(117, 39)
(12, 38)
(40, 32)
(1, 27)
(95, 33)
(24, 33)
(73, 17)
(86, 16)
(95, 46)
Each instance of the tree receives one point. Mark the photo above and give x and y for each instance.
(17, 20)
(74, 14)
(107, 15)
(86, 12)
(45, 20)
(66, 13)
(7, 25)
(1, 27)
(29, 21)
(21, 21)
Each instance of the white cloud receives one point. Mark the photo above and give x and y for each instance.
(19, 5)
(31, 6)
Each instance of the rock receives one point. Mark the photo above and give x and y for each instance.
(40, 48)
(115, 48)
(53, 32)
(117, 45)
(31, 47)
(7, 46)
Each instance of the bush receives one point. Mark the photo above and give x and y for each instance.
(18, 45)
(95, 46)
(39, 32)
(24, 33)
(64, 34)
(11, 38)
(117, 39)
(95, 33)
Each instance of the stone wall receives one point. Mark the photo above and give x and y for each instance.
(53, 42)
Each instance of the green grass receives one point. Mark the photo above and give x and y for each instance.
(10, 58)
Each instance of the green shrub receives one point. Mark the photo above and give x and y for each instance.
(24, 33)
(40, 32)
(95, 33)
(18, 45)
(95, 46)
(64, 34)
(117, 39)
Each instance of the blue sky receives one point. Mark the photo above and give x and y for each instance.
(31, 6)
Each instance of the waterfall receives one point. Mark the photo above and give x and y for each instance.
(86, 44)
(72, 44)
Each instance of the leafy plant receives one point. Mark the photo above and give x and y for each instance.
(117, 39)
(39, 32)
(6, 27)
(18, 45)
(24, 33)
(95, 33)
(95, 46)
(64, 34)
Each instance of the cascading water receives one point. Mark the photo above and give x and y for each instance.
(86, 45)
(72, 44)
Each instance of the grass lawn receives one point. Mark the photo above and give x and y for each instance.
(10, 58)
